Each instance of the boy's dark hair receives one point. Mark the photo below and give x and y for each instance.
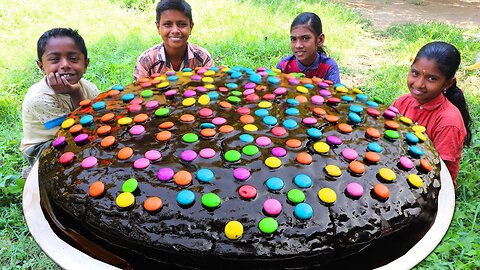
(448, 61)
(60, 32)
(179, 5)
(312, 21)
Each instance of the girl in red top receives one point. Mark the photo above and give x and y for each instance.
(437, 103)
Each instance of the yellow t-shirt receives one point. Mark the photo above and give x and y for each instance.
(43, 111)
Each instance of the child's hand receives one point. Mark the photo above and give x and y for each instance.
(61, 85)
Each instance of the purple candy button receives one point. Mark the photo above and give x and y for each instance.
(59, 142)
(323, 85)
(188, 155)
(152, 104)
(293, 81)
(349, 154)
(207, 153)
(393, 109)
(272, 207)
(81, 138)
(406, 162)
(354, 189)
(241, 173)
(248, 92)
(263, 141)
(170, 93)
(325, 93)
(280, 91)
(141, 163)
(189, 93)
(250, 85)
(334, 140)
(201, 89)
(279, 151)
(196, 78)
(89, 162)
(137, 130)
(389, 114)
(309, 120)
(263, 73)
(170, 73)
(317, 100)
(153, 155)
(165, 174)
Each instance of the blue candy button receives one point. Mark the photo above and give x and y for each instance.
(256, 78)
(99, 106)
(293, 102)
(361, 97)
(303, 211)
(205, 175)
(356, 108)
(236, 75)
(374, 147)
(290, 124)
(372, 104)
(273, 80)
(274, 183)
(246, 138)
(187, 70)
(355, 118)
(128, 97)
(303, 181)
(411, 138)
(415, 151)
(212, 95)
(232, 85)
(207, 125)
(309, 86)
(347, 99)
(118, 87)
(261, 112)
(314, 133)
(86, 120)
(292, 111)
(270, 120)
(173, 78)
(185, 197)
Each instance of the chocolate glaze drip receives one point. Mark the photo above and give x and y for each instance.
(365, 232)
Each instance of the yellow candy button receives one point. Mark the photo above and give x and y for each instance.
(421, 136)
(188, 102)
(273, 162)
(68, 123)
(387, 174)
(302, 89)
(163, 84)
(406, 120)
(125, 199)
(210, 86)
(125, 121)
(419, 128)
(357, 91)
(159, 79)
(225, 69)
(209, 73)
(204, 99)
(250, 127)
(321, 147)
(342, 89)
(327, 195)
(415, 180)
(187, 74)
(233, 230)
(264, 104)
(333, 170)
(207, 79)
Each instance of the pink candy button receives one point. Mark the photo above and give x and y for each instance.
(152, 104)
(134, 107)
(59, 142)
(317, 100)
(247, 192)
(248, 92)
(263, 141)
(406, 162)
(309, 120)
(354, 189)
(81, 138)
(241, 173)
(243, 110)
(89, 162)
(141, 163)
(219, 121)
(170, 93)
(280, 91)
(207, 153)
(137, 130)
(188, 155)
(252, 98)
(278, 151)
(205, 112)
(189, 93)
(201, 89)
(272, 207)
(250, 85)
(153, 155)
(279, 131)
(349, 154)
(165, 174)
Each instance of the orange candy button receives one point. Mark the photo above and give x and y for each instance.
(344, 128)
(108, 141)
(182, 178)
(85, 102)
(107, 117)
(304, 158)
(187, 118)
(164, 135)
(96, 189)
(372, 157)
(305, 80)
(125, 153)
(301, 98)
(225, 104)
(293, 143)
(142, 80)
(140, 118)
(392, 124)
(113, 93)
(152, 204)
(76, 129)
(208, 132)
(381, 191)
(319, 111)
(247, 119)
(425, 165)
(226, 129)
(166, 125)
(103, 130)
(373, 133)
(332, 118)
(356, 167)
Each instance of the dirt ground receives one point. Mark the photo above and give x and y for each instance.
(383, 13)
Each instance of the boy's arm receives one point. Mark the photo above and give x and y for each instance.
(60, 85)
(47, 110)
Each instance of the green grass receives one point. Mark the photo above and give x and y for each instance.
(250, 33)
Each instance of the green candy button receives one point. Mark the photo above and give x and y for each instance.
(250, 150)
(190, 137)
(237, 93)
(234, 99)
(268, 225)
(392, 134)
(211, 200)
(162, 112)
(232, 155)
(146, 93)
(295, 196)
(378, 100)
(130, 185)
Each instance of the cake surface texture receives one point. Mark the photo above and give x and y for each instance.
(239, 167)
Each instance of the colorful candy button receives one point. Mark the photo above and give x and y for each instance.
(128, 97)
(392, 134)
(303, 181)
(415, 180)
(124, 121)
(406, 163)
(247, 138)
(104, 130)
(263, 141)
(411, 138)
(295, 196)
(334, 140)
(166, 125)
(81, 138)
(268, 225)
(152, 204)
(162, 112)
(278, 151)
(250, 127)
(321, 147)
(415, 151)
(188, 155)
(314, 133)
(205, 175)
(425, 165)
(125, 199)
(152, 104)
(107, 117)
(136, 130)
(125, 153)
(86, 120)
(274, 183)
(141, 163)
(108, 142)
(68, 123)
(165, 174)
(85, 102)
(272, 207)
(247, 192)
(373, 112)
(293, 143)
(232, 155)
(290, 124)
(349, 154)
(241, 173)
(207, 153)
(354, 190)
(211, 200)
(292, 111)
(333, 170)
(66, 158)
(304, 158)
(381, 191)
(372, 157)
(185, 198)
(392, 124)
(89, 162)
(130, 185)
(354, 118)
(303, 211)
(372, 133)
(100, 105)
(190, 137)
(273, 162)
(182, 178)
(163, 136)
(421, 136)
(374, 147)
(153, 155)
(234, 229)
(327, 195)
(418, 128)
(96, 189)
(406, 120)
(356, 167)
(387, 174)
(75, 129)
(59, 142)
(140, 118)
(344, 128)
(250, 150)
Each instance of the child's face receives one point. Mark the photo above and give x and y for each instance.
(63, 58)
(425, 81)
(304, 43)
(174, 28)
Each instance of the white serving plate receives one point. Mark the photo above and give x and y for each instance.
(71, 258)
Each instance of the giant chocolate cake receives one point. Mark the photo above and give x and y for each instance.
(243, 168)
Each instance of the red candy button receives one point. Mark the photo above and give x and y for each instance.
(66, 158)
(247, 192)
